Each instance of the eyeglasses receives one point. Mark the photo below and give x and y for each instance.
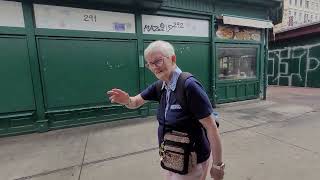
(158, 63)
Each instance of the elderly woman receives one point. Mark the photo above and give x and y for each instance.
(198, 115)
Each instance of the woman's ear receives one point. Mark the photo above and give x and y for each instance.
(174, 59)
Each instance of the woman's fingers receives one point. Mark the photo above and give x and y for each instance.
(118, 91)
(111, 98)
(113, 93)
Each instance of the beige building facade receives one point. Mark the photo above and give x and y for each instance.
(299, 13)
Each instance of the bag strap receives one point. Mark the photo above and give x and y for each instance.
(180, 92)
(159, 91)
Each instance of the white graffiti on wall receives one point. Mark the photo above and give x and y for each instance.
(297, 57)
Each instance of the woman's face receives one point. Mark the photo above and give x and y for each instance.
(161, 66)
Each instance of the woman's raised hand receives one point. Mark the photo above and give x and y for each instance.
(118, 96)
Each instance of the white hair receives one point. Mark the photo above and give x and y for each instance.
(164, 47)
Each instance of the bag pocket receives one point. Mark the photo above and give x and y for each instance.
(175, 159)
(176, 152)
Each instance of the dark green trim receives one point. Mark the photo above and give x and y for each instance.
(17, 129)
(83, 34)
(237, 41)
(92, 120)
(34, 65)
(42, 126)
(203, 6)
(249, 80)
(213, 59)
(175, 38)
(140, 58)
(69, 109)
(219, 44)
(211, 55)
(83, 38)
(12, 36)
(12, 30)
(237, 99)
(182, 13)
(15, 115)
(266, 57)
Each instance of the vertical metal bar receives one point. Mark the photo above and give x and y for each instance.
(142, 79)
(42, 123)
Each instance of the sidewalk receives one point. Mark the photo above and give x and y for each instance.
(262, 140)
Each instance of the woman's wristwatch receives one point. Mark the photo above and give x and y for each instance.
(219, 166)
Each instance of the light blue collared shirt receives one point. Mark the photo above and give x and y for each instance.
(171, 86)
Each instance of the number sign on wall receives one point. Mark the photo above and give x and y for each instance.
(162, 25)
(58, 17)
(11, 14)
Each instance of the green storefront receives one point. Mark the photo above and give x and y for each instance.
(58, 58)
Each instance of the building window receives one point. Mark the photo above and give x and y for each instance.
(290, 21)
(290, 2)
(300, 3)
(307, 4)
(295, 2)
(311, 18)
(305, 18)
(300, 16)
(237, 63)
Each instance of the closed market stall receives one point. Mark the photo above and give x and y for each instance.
(58, 58)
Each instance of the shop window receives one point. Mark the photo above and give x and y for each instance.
(237, 63)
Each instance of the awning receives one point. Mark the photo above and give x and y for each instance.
(239, 21)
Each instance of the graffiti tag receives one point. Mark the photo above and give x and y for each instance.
(293, 64)
(163, 27)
